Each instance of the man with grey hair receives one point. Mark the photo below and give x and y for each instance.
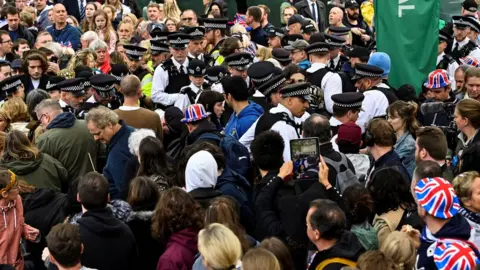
(106, 127)
(87, 38)
(66, 139)
(132, 113)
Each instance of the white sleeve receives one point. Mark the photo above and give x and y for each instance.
(366, 114)
(475, 54)
(249, 136)
(451, 74)
(288, 133)
(160, 82)
(182, 102)
(333, 85)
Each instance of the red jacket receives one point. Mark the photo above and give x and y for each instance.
(180, 252)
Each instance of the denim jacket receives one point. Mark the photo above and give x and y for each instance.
(405, 148)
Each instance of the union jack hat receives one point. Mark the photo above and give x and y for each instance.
(437, 79)
(195, 112)
(437, 197)
(455, 255)
(468, 60)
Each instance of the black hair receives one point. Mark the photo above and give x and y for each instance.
(209, 98)
(292, 69)
(93, 191)
(340, 112)
(427, 168)
(154, 159)
(267, 150)
(236, 87)
(328, 219)
(317, 126)
(390, 190)
(34, 97)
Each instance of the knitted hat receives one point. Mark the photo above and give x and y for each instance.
(381, 60)
(437, 197)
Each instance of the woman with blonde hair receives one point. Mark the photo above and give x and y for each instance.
(467, 188)
(5, 121)
(219, 247)
(73, 21)
(240, 32)
(130, 18)
(260, 259)
(85, 57)
(104, 28)
(17, 110)
(30, 165)
(400, 249)
(87, 23)
(172, 10)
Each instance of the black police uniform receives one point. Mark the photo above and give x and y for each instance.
(349, 101)
(176, 78)
(196, 68)
(461, 22)
(76, 86)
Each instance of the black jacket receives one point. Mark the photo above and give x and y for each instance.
(389, 160)
(108, 242)
(204, 127)
(27, 83)
(204, 196)
(24, 33)
(348, 247)
(304, 10)
(470, 155)
(149, 249)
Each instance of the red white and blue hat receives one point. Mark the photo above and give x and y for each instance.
(195, 112)
(437, 197)
(455, 255)
(470, 61)
(437, 79)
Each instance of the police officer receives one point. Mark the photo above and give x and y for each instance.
(474, 29)
(337, 60)
(215, 74)
(260, 73)
(104, 92)
(52, 88)
(444, 60)
(238, 64)
(12, 87)
(135, 60)
(346, 108)
(215, 33)
(462, 45)
(308, 29)
(320, 75)
(282, 56)
(160, 52)
(172, 74)
(343, 32)
(72, 94)
(271, 89)
(275, 36)
(158, 34)
(196, 46)
(375, 103)
(196, 73)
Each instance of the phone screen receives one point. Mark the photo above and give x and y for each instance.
(305, 153)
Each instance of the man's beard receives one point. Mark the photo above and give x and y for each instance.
(353, 16)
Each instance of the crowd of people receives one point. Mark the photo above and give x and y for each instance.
(135, 135)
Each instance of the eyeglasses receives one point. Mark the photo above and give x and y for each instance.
(40, 118)
(187, 19)
(7, 41)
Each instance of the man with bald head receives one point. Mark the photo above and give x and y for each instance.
(335, 19)
(61, 31)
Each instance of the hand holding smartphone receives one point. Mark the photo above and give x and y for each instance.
(305, 153)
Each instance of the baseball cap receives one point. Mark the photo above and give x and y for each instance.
(470, 5)
(349, 132)
(296, 18)
(351, 4)
(298, 45)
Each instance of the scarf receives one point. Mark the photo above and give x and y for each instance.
(474, 217)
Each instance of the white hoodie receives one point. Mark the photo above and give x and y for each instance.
(201, 171)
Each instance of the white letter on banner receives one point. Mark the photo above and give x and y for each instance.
(401, 8)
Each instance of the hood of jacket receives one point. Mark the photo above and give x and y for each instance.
(24, 167)
(38, 198)
(186, 238)
(348, 247)
(457, 227)
(63, 120)
(140, 215)
(201, 171)
(205, 127)
(101, 222)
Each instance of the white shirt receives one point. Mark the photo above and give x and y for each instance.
(285, 130)
(199, 57)
(128, 108)
(62, 103)
(334, 123)
(314, 11)
(35, 83)
(183, 102)
(160, 82)
(331, 85)
(335, 60)
(450, 70)
(475, 53)
(374, 104)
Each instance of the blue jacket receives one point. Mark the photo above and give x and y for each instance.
(118, 155)
(239, 124)
(42, 18)
(68, 36)
(405, 148)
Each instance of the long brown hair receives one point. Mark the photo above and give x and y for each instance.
(176, 210)
(470, 109)
(278, 248)
(88, 25)
(143, 194)
(18, 147)
(224, 211)
(407, 111)
(108, 30)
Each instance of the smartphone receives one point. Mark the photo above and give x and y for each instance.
(304, 154)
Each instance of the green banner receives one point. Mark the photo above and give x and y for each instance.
(407, 30)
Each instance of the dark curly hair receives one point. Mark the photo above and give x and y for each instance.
(359, 203)
(176, 210)
(390, 190)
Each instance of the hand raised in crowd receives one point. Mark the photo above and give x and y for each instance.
(53, 67)
(413, 234)
(286, 170)
(323, 173)
(357, 31)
